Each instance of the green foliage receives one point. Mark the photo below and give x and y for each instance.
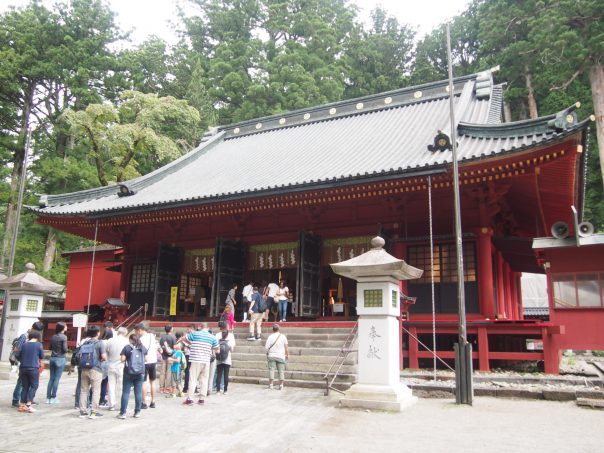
(379, 59)
(431, 56)
(141, 134)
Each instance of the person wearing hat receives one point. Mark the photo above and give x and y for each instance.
(277, 354)
(115, 367)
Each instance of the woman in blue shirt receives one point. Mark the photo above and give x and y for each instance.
(29, 356)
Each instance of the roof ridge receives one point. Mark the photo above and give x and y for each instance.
(353, 102)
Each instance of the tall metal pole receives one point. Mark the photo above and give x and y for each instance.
(463, 350)
(13, 247)
(96, 231)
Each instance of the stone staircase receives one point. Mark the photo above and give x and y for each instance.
(312, 350)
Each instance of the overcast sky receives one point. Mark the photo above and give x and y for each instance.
(147, 17)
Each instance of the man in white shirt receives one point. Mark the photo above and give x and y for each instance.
(147, 339)
(115, 371)
(277, 353)
(272, 289)
(247, 298)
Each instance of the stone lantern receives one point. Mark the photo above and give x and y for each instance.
(378, 275)
(23, 304)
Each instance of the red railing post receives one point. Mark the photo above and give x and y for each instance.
(483, 349)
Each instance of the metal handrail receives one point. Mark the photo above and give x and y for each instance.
(428, 349)
(133, 318)
(343, 355)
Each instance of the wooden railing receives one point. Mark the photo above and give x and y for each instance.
(483, 352)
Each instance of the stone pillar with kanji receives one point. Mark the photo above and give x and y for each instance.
(378, 275)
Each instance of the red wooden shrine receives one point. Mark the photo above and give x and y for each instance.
(283, 196)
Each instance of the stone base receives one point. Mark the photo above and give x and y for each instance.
(5, 371)
(379, 397)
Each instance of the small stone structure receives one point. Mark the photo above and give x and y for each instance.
(24, 303)
(378, 275)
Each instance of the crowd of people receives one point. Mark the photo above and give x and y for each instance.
(112, 363)
(259, 303)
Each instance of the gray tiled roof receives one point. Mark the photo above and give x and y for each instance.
(376, 136)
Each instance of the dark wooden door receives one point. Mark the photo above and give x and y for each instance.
(308, 287)
(166, 276)
(229, 260)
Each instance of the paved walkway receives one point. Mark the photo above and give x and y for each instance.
(253, 419)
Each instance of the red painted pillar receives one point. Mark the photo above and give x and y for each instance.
(400, 251)
(500, 287)
(485, 273)
(515, 296)
(509, 309)
(483, 349)
(551, 353)
(124, 279)
(413, 349)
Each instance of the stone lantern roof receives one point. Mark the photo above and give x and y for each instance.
(29, 280)
(376, 262)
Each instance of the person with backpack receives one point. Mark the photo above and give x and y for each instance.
(256, 314)
(14, 360)
(226, 345)
(91, 354)
(30, 356)
(133, 357)
(228, 318)
(58, 348)
(166, 343)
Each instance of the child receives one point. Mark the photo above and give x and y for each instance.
(228, 317)
(179, 363)
(30, 357)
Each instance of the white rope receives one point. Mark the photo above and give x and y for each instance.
(432, 272)
(96, 230)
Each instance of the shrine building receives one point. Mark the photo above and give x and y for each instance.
(282, 197)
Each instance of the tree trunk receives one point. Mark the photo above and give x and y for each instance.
(51, 250)
(11, 207)
(596, 79)
(507, 112)
(532, 104)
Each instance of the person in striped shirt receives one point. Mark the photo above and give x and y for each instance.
(201, 344)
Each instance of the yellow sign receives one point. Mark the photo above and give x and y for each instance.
(173, 296)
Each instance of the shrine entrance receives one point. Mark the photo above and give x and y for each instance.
(204, 276)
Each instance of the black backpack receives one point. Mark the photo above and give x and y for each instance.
(224, 349)
(17, 344)
(75, 361)
(262, 305)
(224, 318)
